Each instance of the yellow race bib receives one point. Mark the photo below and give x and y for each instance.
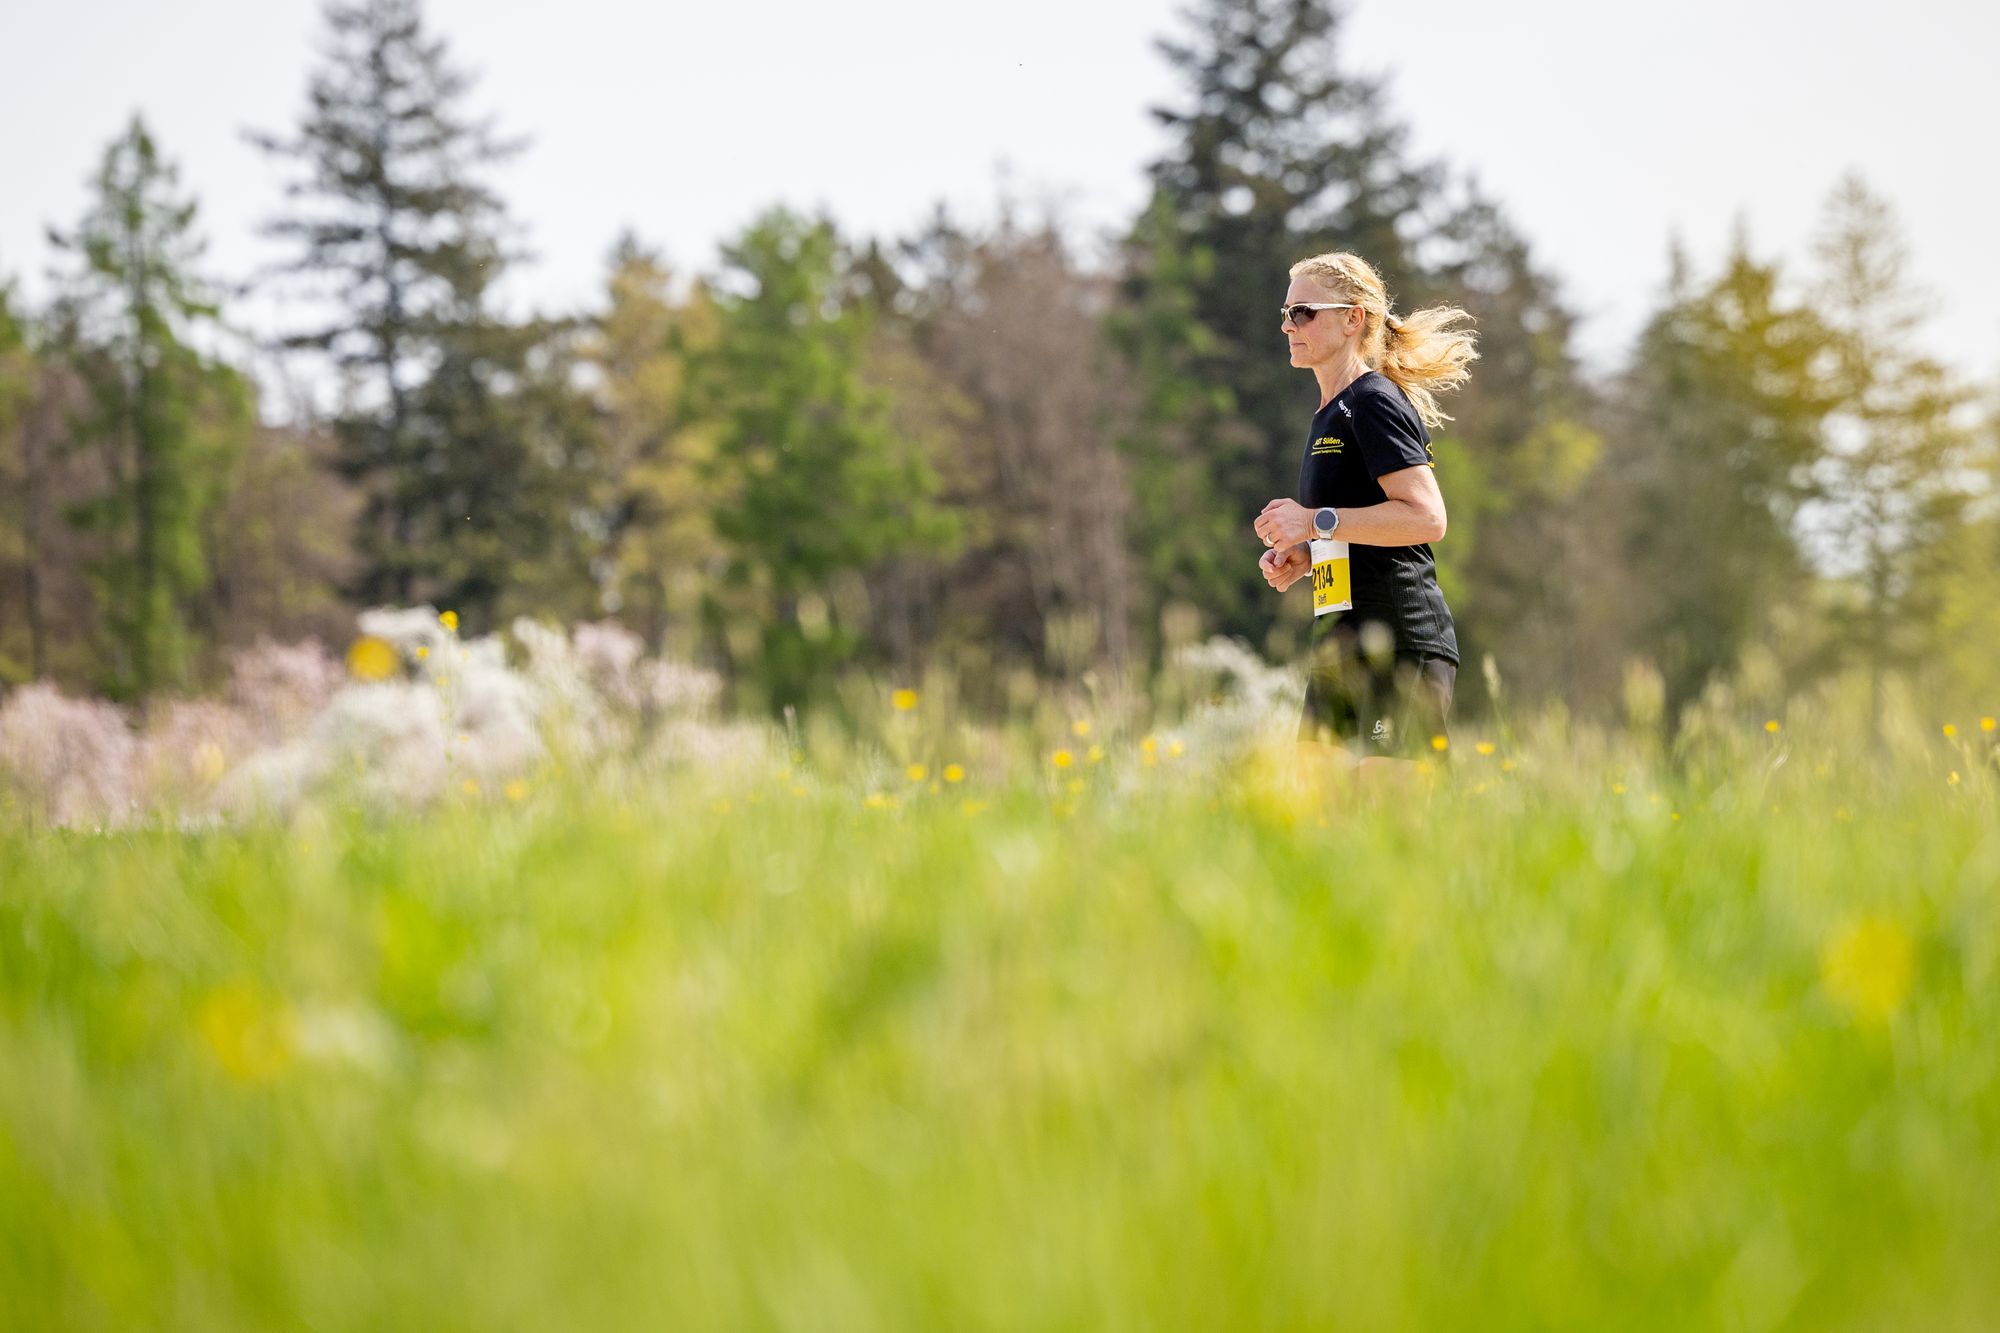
(1332, 590)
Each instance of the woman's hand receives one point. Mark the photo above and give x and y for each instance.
(1284, 523)
(1286, 566)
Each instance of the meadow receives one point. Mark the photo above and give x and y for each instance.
(1090, 1028)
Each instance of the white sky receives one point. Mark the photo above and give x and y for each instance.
(1603, 128)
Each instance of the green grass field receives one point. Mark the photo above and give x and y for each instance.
(1552, 1042)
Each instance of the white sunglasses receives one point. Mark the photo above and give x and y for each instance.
(1291, 312)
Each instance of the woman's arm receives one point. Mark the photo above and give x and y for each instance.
(1413, 513)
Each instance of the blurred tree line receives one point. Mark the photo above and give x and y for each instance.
(965, 447)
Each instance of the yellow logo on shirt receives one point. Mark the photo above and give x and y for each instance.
(1327, 444)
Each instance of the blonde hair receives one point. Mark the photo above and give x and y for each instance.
(1424, 352)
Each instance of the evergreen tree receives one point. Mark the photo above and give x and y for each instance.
(164, 419)
(1722, 428)
(461, 431)
(1522, 562)
(1897, 476)
(814, 487)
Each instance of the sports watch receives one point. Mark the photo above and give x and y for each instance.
(1325, 521)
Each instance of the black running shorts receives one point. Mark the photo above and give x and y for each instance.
(1364, 694)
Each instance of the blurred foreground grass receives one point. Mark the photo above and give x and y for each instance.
(1123, 1046)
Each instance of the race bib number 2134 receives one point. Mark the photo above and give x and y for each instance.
(1332, 590)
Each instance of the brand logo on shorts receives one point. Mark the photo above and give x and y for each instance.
(1381, 732)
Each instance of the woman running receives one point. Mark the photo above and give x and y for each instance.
(1381, 673)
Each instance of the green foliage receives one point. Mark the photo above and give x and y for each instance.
(1896, 476)
(1549, 1040)
(970, 447)
(1726, 399)
(19, 646)
(1186, 537)
(661, 549)
(163, 420)
(815, 485)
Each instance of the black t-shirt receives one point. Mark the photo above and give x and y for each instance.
(1368, 430)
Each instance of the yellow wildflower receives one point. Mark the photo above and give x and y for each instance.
(517, 790)
(1772, 726)
(1986, 724)
(1175, 749)
(973, 807)
(1867, 965)
(916, 772)
(903, 700)
(1095, 754)
(1482, 748)
(1440, 743)
(1062, 758)
(449, 619)
(1950, 731)
(249, 1035)
(953, 773)
(1952, 777)
(370, 658)
(1080, 728)
(877, 801)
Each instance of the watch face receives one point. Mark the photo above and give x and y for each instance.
(1325, 520)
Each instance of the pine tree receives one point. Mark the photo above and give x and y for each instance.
(164, 419)
(1897, 476)
(461, 432)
